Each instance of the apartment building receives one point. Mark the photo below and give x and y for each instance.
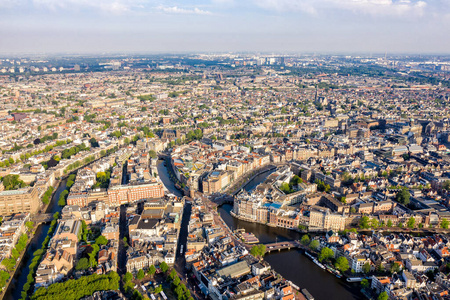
(24, 200)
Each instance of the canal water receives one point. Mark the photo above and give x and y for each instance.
(20, 278)
(293, 265)
(165, 178)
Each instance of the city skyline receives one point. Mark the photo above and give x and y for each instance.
(295, 26)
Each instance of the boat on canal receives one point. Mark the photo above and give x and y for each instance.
(318, 263)
(354, 279)
(309, 255)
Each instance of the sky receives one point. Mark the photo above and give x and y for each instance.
(267, 26)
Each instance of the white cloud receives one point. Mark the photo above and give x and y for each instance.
(107, 6)
(370, 7)
(179, 10)
(114, 6)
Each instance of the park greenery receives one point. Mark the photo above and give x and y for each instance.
(76, 289)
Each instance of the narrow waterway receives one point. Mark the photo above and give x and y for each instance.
(165, 178)
(20, 278)
(251, 185)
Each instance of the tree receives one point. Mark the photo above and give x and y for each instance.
(164, 267)
(314, 245)
(93, 255)
(411, 223)
(79, 288)
(366, 267)
(305, 240)
(364, 222)
(389, 223)
(9, 263)
(128, 277)
(82, 264)
(395, 268)
(101, 240)
(152, 154)
(446, 185)
(62, 198)
(444, 223)
(325, 254)
(321, 186)
(4, 276)
(176, 280)
(173, 274)
(285, 188)
(12, 182)
(365, 283)
(151, 270)
(342, 264)
(403, 196)
(94, 143)
(140, 275)
(383, 296)
(15, 254)
(258, 250)
(29, 225)
(374, 223)
(158, 289)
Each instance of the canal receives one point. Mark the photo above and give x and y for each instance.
(165, 178)
(20, 277)
(292, 265)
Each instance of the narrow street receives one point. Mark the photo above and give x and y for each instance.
(123, 232)
(180, 261)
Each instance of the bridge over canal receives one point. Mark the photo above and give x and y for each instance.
(42, 218)
(287, 245)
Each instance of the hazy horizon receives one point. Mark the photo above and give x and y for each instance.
(220, 26)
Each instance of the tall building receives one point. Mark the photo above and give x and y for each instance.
(122, 194)
(19, 201)
(322, 219)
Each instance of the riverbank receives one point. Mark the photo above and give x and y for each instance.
(294, 265)
(247, 178)
(16, 283)
(18, 263)
(31, 237)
